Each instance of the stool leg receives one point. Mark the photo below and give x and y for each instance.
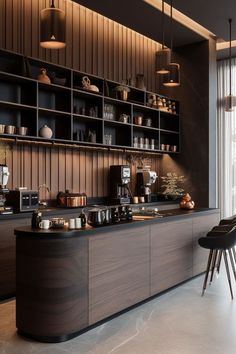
(228, 273)
(234, 253)
(219, 261)
(207, 271)
(213, 264)
(232, 263)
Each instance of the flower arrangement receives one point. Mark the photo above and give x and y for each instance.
(171, 185)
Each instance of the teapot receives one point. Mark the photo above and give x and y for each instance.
(87, 84)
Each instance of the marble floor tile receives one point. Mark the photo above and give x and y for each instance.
(179, 321)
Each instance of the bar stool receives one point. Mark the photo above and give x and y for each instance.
(219, 242)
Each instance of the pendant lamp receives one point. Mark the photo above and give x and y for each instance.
(230, 100)
(52, 28)
(163, 55)
(172, 79)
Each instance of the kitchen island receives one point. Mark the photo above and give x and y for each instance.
(67, 281)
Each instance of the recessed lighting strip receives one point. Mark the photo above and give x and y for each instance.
(183, 19)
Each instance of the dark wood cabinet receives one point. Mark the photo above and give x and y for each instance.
(118, 271)
(82, 115)
(171, 254)
(7, 259)
(201, 226)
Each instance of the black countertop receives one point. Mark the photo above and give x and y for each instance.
(168, 216)
(54, 211)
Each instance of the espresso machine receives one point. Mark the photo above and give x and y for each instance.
(145, 178)
(4, 175)
(119, 184)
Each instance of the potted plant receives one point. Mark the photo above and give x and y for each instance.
(171, 187)
(122, 91)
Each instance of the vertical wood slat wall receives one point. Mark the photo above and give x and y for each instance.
(96, 45)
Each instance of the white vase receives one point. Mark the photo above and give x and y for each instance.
(45, 132)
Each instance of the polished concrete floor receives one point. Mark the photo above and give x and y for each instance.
(177, 322)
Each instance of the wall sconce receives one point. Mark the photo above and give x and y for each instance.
(52, 28)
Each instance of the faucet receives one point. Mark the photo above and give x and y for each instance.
(43, 203)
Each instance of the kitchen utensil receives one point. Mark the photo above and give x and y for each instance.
(148, 122)
(71, 200)
(45, 224)
(2, 128)
(138, 120)
(96, 217)
(10, 129)
(43, 77)
(124, 118)
(22, 130)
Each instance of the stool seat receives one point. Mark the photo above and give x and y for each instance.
(221, 239)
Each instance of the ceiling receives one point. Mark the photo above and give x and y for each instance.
(145, 19)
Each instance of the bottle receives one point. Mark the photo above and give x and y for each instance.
(36, 219)
(82, 216)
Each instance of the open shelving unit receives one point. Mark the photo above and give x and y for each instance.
(81, 116)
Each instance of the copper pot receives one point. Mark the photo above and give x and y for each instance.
(71, 200)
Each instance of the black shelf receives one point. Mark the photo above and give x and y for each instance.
(80, 115)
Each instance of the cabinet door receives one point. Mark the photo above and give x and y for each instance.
(171, 254)
(118, 271)
(7, 255)
(201, 226)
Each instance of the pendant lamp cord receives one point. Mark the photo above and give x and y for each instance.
(52, 4)
(230, 59)
(162, 25)
(171, 29)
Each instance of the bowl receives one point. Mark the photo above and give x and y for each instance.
(59, 81)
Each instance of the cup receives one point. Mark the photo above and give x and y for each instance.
(162, 147)
(173, 148)
(71, 224)
(140, 145)
(146, 143)
(22, 130)
(135, 200)
(45, 224)
(141, 199)
(78, 224)
(10, 129)
(152, 145)
(135, 141)
(167, 147)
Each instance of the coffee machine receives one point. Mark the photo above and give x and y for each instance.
(4, 175)
(119, 184)
(145, 178)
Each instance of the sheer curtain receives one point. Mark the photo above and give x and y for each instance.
(226, 141)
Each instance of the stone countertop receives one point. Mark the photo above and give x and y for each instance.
(167, 216)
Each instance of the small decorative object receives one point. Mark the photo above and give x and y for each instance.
(42, 77)
(87, 84)
(140, 82)
(171, 185)
(122, 92)
(186, 202)
(45, 132)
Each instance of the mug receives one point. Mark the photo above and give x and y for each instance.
(71, 224)
(78, 223)
(45, 224)
(135, 200)
(141, 199)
